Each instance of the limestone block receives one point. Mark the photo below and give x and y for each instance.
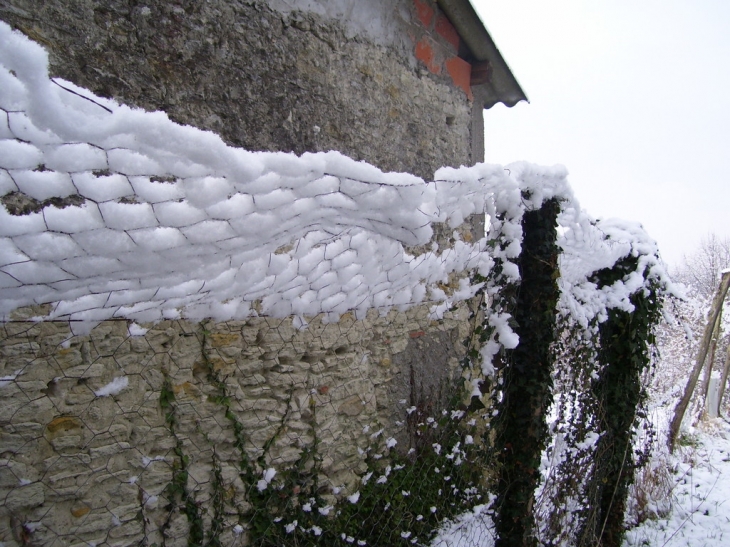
(85, 370)
(261, 405)
(12, 443)
(19, 411)
(356, 386)
(398, 344)
(140, 344)
(68, 476)
(127, 512)
(25, 497)
(67, 358)
(283, 456)
(179, 358)
(121, 429)
(224, 366)
(79, 395)
(262, 433)
(129, 532)
(109, 450)
(249, 334)
(162, 443)
(200, 472)
(30, 387)
(155, 479)
(226, 451)
(147, 413)
(178, 528)
(23, 348)
(287, 381)
(221, 340)
(128, 362)
(287, 331)
(67, 443)
(267, 338)
(230, 352)
(351, 406)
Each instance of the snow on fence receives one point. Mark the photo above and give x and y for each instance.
(206, 345)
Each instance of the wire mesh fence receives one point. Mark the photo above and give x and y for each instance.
(324, 401)
(249, 433)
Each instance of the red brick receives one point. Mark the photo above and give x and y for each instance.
(424, 12)
(447, 30)
(481, 72)
(425, 54)
(460, 72)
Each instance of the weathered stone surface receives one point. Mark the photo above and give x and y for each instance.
(81, 510)
(352, 406)
(63, 424)
(263, 79)
(25, 497)
(226, 66)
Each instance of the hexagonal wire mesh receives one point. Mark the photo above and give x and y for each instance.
(250, 432)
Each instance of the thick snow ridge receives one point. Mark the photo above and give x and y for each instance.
(134, 216)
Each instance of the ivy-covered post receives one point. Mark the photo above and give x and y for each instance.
(626, 340)
(526, 391)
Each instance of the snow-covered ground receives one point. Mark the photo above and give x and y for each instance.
(698, 476)
(695, 481)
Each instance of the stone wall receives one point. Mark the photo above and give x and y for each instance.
(379, 81)
(78, 467)
(99, 433)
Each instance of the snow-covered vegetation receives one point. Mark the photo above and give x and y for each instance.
(680, 498)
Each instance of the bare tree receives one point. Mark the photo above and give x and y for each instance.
(701, 270)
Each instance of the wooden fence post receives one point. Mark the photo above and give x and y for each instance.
(681, 408)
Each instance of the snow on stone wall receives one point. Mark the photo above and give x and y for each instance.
(336, 308)
(330, 294)
(113, 212)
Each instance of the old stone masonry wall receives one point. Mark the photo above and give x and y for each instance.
(363, 78)
(207, 345)
(95, 428)
(128, 417)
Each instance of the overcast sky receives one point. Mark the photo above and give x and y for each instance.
(633, 97)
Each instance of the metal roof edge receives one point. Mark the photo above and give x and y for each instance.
(503, 86)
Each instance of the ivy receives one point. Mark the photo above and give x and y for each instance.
(176, 491)
(218, 505)
(404, 497)
(526, 383)
(626, 342)
(421, 489)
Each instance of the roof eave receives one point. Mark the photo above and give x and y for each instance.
(502, 85)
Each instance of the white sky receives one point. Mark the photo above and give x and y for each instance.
(633, 96)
